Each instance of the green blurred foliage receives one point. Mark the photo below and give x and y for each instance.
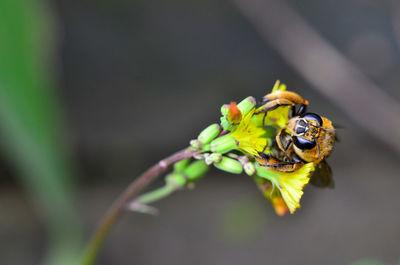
(31, 124)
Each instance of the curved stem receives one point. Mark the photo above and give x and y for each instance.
(127, 195)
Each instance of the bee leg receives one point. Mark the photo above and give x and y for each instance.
(265, 115)
(295, 158)
(282, 98)
(283, 140)
(302, 110)
(271, 105)
(292, 112)
(277, 165)
(288, 95)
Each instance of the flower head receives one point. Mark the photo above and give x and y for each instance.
(247, 131)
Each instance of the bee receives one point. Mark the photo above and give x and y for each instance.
(307, 137)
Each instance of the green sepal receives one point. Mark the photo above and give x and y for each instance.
(229, 165)
(209, 133)
(263, 172)
(223, 144)
(176, 179)
(246, 105)
(226, 125)
(196, 170)
(181, 165)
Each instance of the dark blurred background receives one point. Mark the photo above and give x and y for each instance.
(138, 79)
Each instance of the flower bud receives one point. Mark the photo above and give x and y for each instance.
(234, 115)
(176, 179)
(209, 133)
(246, 105)
(224, 109)
(213, 158)
(196, 170)
(208, 159)
(229, 165)
(280, 206)
(223, 144)
(196, 144)
(181, 165)
(242, 159)
(249, 168)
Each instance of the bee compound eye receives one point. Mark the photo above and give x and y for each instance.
(302, 143)
(301, 127)
(313, 117)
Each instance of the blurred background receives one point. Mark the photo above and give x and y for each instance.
(92, 93)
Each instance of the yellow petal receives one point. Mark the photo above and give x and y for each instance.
(278, 86)
(292, 184)
(251, 135)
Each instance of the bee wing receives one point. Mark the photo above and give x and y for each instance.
(338, 126)
(337, 138)
(322, 176)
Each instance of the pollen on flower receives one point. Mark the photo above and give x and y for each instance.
(234, 115)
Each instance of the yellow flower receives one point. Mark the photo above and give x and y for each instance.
(250, 135)
(290, 185)
(254, 133)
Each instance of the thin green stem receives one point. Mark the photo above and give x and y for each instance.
(157, 194)
(126, 196)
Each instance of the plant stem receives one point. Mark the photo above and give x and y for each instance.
(126, 196)
(156, 194)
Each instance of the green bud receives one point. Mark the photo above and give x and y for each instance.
(209, 133)
(224, 109)
(229, 165)
(246, 105)
(181, 165)
(249, 168)
(223, 144)
(213, 158)
(196, 144)
(205, 148)
(196, 170)
(176, 179)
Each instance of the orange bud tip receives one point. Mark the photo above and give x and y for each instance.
(234, 115)
(280, 206)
